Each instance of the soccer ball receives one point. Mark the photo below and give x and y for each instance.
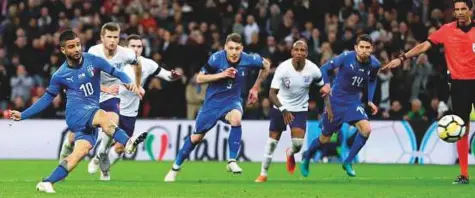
(451, 128)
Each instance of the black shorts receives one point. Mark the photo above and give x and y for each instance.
(462, 94)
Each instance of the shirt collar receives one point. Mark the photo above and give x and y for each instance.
(466, 28)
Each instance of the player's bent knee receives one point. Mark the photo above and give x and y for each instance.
(364, 127)
(275, 135)
(196, 138)
(234, 117)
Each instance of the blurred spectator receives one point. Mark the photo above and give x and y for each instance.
(21, 84)
(417, 111)
(195, 95)
(421, 71)
(395, 113)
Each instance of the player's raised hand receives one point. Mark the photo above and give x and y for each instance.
(392, 64)
(15, 115)
(253, 96)
(113, 89)
(288, 117)
(325, 90)
(374, 108)
(229, 73)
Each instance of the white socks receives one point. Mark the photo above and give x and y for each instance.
(114, 156)
(269, 150)
(296, 145)
(105, 144)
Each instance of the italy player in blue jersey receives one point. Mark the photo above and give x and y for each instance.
(225, 72)
(357, 71)
(80, 77)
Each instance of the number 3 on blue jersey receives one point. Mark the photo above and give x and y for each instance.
(87, 89)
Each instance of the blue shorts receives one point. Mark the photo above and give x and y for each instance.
(127, 124)
(209, 116)
(80, 123)
(111, 105)
(277, 123)
(351, 113)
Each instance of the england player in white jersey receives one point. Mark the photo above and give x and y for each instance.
(289, 94)
(129, 101)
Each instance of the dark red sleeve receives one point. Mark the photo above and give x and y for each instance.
(438, 37)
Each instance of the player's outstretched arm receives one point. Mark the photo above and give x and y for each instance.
(169, 75)
(45, 100)
(263, 73)
(103, 65)
(415, 51)
(371, 90)
(202, 77)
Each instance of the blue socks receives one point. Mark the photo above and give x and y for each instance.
(312, 149)
(234, 142)
(183, 153)
(360, 141)
(120, 136)
(58, 174)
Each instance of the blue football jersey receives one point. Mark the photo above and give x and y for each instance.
(352, 77)
(81, 84)
(228, 91)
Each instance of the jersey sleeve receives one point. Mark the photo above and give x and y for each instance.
(373, 80)
(211, 67)
(51, 92)
(277, 79)
(104, 66)
(255, 61)
(438, 37)
(318, 78)
(331, 65)
(130, 56)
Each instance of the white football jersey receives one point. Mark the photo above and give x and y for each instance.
(122, 57)
(130, 101)
(294, 86)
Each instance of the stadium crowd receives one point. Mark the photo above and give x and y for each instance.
(181, 35)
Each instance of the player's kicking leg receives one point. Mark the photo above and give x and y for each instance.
(108, 122)
(233, 117)
(101, 159)
(364, 130)
(81, 149)
(328, 127)
(128, 125)
(67, 147)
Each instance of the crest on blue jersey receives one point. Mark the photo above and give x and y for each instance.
(287, 82)
(90, 70)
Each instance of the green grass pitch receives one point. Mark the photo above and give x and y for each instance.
(137, 179)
